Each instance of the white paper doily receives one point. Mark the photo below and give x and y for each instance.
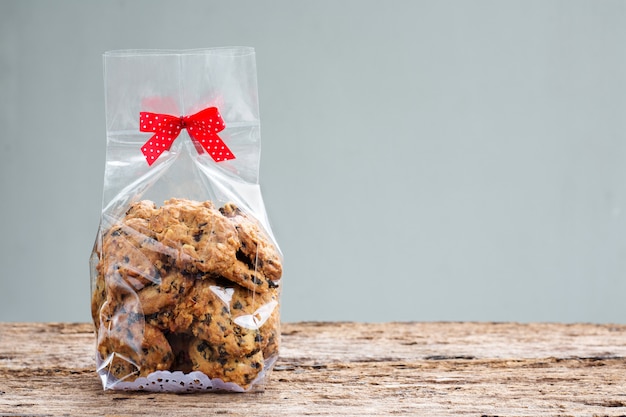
(178, 381)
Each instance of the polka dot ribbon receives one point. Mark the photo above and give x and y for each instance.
(202, 128)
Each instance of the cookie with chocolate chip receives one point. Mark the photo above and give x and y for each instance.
(256, 249)
(98, 297)
(131, 348)
(258, 311)
(201, 239)
(131, 257)
(215, 363)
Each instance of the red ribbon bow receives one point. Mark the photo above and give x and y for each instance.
(202, 128)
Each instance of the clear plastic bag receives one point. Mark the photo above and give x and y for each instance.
(185, 271)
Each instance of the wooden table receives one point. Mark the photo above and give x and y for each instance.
(426, 369)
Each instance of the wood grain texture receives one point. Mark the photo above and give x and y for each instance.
(351, 369)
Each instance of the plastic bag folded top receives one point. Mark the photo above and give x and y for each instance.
(177, 85)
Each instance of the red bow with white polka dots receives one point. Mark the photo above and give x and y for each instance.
(202, 128)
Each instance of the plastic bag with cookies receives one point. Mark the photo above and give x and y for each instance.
(185, 270)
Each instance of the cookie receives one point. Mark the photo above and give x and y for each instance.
(218, 364)
(130, 255)
(131, 348)
(256, 249)
(211, 310)
(107, 299)
(246, 275)
(202, 239)
(98, 297)
(254, 311)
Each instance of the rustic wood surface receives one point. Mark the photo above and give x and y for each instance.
(426, 369)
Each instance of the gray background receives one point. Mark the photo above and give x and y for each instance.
(422, 160)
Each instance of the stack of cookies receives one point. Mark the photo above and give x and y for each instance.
(187, 287)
